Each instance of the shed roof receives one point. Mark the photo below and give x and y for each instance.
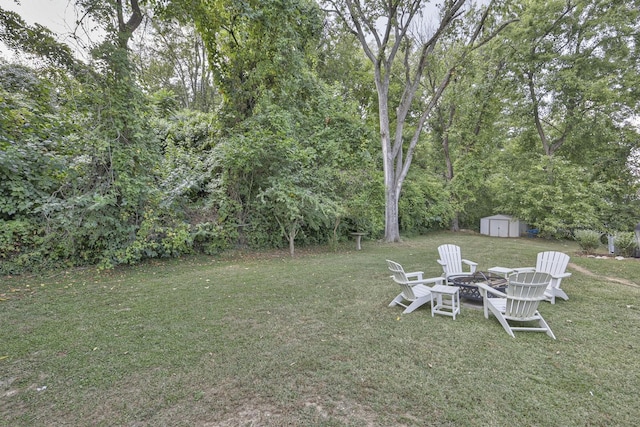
(509, 217)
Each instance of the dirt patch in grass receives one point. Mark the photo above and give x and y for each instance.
(610, 279)
(318, 410)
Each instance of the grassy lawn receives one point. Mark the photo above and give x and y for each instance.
(269, 340)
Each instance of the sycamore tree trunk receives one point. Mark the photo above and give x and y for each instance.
(392, 220)
(392, 182)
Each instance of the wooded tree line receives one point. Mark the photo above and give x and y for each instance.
(197, 126)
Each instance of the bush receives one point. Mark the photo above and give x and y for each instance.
(211, 238)
(625, 244)
(588, 240)
(157, 237)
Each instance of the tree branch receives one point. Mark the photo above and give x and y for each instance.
(126, 29)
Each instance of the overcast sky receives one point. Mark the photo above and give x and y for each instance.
(50, 13)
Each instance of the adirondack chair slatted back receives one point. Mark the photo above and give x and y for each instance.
(524, 293)
(452, 257)
(400, 277)
(552, 262)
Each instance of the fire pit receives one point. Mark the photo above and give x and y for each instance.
(468, 288)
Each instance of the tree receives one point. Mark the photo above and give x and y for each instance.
(173, 58)
(384, 32)
(575, 61)
(33, 133)
(105, 186)
(550, 193)
(574, 76)
(34, 40)
(281, 173)
(256, 48)
(295, 202)
(464, 127)
(342, 64)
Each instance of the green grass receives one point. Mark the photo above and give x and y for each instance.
(264, 339)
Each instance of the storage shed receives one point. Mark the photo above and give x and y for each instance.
(502, 226)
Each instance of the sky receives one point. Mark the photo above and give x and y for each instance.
(50, 13)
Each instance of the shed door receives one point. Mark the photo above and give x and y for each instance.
(499, 227)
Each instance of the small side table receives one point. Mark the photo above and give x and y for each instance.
(502, 271)
(358, 237)
(447, 300)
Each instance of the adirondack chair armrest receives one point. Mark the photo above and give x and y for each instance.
(416, 274)
(437, 280)
(431, 280)
(524, 270)
(561, 276)
(483, 288)
(472, 265)
(442, 263)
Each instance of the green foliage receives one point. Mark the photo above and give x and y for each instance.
(570, 62)
(464, 128)
(268, 164)
(294, 204)
(286, 170)
(172, 58)
(212, 238)
(342, 64)
(27, 176)
(549, 193)
(35, 40)
(258, 48)
(156, 238)
(424, 204)
(100, 165)
(625, 244)
(83, 185)
(163, 102)
(30, 135)
(184, 170)
(361, 193)
(17, 238)
(188, 181)
(588, 240)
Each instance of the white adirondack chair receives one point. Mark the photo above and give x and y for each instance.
(414, 292)
(519, 303)
(554, 263)
(451, 261)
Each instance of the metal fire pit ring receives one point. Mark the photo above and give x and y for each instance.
(469, 289)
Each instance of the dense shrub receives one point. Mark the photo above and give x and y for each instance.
(588, 240)
(157, 238)
(625, 244)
